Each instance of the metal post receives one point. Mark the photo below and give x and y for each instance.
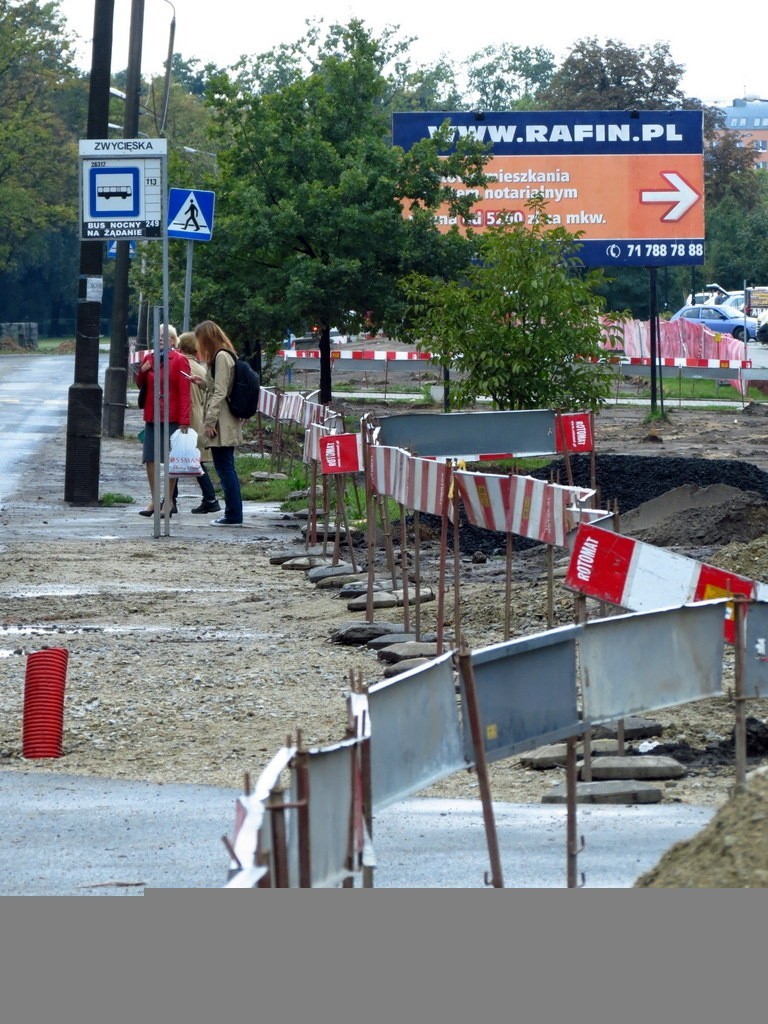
(116, 376)
(417, 571)
(456, 569)
(481, 766)
(370, 512)
(188, 285)
(654, 335)
(508, 586)
(572, 849)
(83, 451)
(276, 809)
(740, 722)
(404, 569)
(443, 559)
(302, 812)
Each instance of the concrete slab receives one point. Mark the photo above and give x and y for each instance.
(644, 766)
(629, 791)
(382, 600)
(555, 755)
(634, 729)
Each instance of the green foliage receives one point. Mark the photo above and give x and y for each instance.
(523, 325)
(729, 171)
(38, 184)
(310, 225)
(111, 498)
(614, 76)
(267, 490)
(506, 77)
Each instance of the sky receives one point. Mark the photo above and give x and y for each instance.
(719, 68)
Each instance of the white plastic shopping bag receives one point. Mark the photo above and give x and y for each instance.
(183, 457)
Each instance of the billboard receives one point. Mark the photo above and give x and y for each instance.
(631, 181)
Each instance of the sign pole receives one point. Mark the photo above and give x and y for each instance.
(654, 338)
(188, 286)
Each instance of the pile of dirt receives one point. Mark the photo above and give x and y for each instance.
(8, 344)
(693, 517)
(682, 503)
(718, 857)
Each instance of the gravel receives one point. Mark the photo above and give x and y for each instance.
(193, 658)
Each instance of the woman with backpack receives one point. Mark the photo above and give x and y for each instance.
(222, 430)
(209, 502)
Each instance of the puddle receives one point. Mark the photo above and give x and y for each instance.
(182, 633)
(78, 590)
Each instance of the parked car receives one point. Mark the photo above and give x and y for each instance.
(735, 299)
(721, 319)
(698, 299)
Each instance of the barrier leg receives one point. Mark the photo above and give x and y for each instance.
(481, 767)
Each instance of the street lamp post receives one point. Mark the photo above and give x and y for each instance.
(116, 376)
(83, 449)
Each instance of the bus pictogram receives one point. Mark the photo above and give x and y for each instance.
(114, 191)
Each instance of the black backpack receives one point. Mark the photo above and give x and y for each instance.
(243, 399)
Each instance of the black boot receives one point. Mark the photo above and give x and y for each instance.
(206, 506)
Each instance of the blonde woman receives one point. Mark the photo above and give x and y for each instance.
(188, 347)
(222, 431)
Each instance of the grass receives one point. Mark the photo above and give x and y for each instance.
(296, 478)
(698, 389)
(111, 498)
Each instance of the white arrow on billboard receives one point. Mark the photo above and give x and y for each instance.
(682, 196)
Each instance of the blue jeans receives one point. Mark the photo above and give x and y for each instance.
(224, 462)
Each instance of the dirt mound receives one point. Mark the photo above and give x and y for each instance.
(631, 480)
(7, 344)
(731, 852)
(679, 502)
(693, 516)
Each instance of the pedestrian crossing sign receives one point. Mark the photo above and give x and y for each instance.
(190, 214)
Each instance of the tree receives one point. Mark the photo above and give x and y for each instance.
(432, 87)
(38, 158)
(311, 225)
(506, 77)
(523, 325)
(614, 77)
(729, 170)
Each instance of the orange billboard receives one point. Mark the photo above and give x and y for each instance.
(631, 183)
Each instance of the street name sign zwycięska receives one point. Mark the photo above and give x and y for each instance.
(631, 181)
(122, 183)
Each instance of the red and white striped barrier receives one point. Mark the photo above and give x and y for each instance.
(426, 486)
(712, 364)
(268, 403)
(521, 505)
(384, 355)
(384, 463)
(624, 360)
(641, 577)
